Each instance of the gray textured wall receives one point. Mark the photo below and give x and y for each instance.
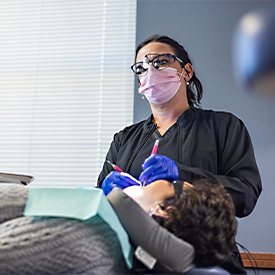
(206, 28)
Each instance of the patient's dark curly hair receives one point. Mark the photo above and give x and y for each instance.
(204, 216)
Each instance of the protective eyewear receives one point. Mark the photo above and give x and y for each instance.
(159, 62)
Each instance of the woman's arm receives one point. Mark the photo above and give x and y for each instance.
(111, 156)
(237, 168)
(147, 233)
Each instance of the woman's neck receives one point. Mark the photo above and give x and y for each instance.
(164, 116)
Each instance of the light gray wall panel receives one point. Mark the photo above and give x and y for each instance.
(206, 29)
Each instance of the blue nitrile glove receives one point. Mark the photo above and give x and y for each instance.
(118, 179)
(158, 167)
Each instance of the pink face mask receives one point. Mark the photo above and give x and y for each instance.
(159, 86)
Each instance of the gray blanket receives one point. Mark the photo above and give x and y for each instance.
(35, 245)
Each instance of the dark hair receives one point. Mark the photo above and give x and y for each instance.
(204, 216)
(194, 89)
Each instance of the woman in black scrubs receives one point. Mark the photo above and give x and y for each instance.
(193, 143)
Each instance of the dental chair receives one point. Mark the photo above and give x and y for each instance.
(216, 270)
(49, 245)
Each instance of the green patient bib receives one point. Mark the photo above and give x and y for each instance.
(78, 203)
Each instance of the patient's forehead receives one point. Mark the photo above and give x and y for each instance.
(187, 184)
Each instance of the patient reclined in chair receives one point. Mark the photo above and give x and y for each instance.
(37, 245)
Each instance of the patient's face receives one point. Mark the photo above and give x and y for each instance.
(160, 212)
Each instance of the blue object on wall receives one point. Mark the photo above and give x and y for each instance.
(254, 50)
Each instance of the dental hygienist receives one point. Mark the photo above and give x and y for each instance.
(193, 143)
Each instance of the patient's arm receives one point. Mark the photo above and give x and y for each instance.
(174, 253)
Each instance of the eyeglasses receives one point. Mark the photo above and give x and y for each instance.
(160, 62)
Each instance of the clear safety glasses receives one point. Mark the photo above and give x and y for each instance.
(160, 62)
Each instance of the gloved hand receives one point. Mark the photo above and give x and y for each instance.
(118, 179)
(158, 167)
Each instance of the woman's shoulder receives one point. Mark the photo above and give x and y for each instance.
(141, 126)
(135, 125)
(219, 116)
